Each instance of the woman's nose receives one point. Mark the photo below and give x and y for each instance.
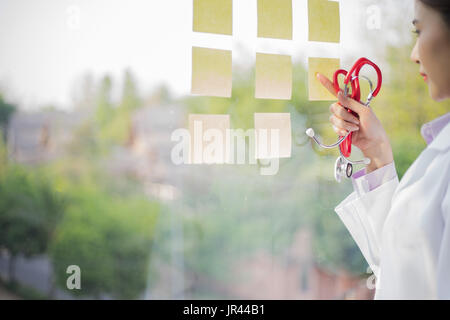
(415, 54)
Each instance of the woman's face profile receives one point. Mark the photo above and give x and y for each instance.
(432, 50)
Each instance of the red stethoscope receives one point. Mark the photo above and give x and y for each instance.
(343, 164)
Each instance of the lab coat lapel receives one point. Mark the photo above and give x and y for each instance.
(420, 165)
(442, 141)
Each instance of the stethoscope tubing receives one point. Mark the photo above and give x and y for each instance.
(352, 78)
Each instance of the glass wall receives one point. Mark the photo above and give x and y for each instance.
(100, 194)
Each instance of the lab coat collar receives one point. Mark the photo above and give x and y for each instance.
(437, 132)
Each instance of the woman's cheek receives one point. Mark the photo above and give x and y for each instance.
(425, 48)
(434, 51)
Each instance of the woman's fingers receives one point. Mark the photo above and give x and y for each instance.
(342, 124)
(343, 113)
(327, 83)
(345, 101)
(340, 132)
(351, 104)
(342, 120)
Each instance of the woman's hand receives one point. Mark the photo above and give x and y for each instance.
(368, 133)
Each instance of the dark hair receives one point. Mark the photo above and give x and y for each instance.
(441, 6)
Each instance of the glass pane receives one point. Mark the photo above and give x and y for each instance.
(99, 100)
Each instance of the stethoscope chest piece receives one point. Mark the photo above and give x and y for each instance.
(338, 169)
(349, 170)
(342, 167)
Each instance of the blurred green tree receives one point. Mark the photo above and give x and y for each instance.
(105, 108)
(114, 119)
(6, 110)
(30, 209)
(130, 99)
(110, 239)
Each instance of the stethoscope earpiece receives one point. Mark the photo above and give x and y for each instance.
(310, 132)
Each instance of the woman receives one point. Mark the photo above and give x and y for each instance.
(403, 228)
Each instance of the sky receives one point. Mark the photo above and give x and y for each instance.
(47, 46)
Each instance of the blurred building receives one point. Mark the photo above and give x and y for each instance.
(41, 137)
(35, 138)
(146, 155)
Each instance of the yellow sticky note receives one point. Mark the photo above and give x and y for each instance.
(213, 16)
(275, 19)
(208, 134)
(273, 136)
(324, 21)
(326, 66)
(211, 72)
(273, 76)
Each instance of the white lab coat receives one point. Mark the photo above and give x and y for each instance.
(403, 228)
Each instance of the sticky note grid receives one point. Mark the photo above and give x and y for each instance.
(273, 135)
(275, 19)
(214, 127)
(213, 16)
(273, 76)
(325, 66)
(212, 68)
(211, 72)
(324, 21)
